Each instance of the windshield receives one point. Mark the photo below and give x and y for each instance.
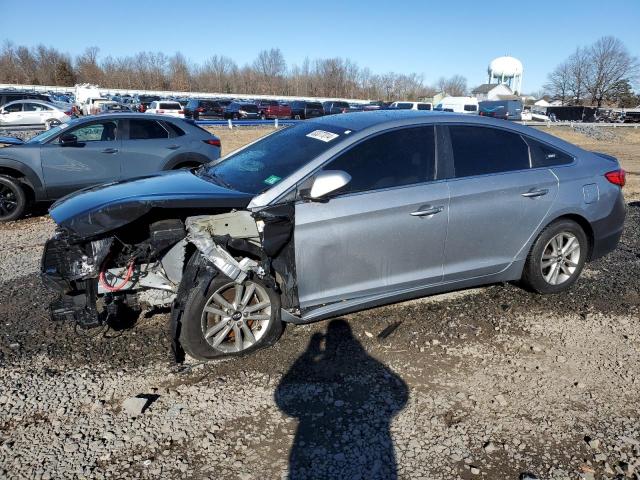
(52, 132)
(260, 166)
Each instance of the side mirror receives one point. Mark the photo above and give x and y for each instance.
(68, 139)
(327, 182)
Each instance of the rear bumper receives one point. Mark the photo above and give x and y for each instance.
(608, 230)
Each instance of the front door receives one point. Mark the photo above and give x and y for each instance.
(384, 231)
(92, 160)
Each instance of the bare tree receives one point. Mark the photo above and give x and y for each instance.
(610, 64)
(87, 68)
(578, 64)
(558, 82)
(455, 86)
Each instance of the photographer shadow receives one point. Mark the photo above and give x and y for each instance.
(344, 401)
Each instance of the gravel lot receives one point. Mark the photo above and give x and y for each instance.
(492, 383)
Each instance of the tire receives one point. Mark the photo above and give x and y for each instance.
(186, 166)
(197, 325)
(263, 116)
(297, 117)
(13, 199)
(49, 124)
(563, 261)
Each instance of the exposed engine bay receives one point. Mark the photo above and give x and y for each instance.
(143, 264)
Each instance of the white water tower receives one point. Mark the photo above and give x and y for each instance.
(507, 70)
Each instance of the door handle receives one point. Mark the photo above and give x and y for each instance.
(427, 212)
(173, 147)
(536, 193)
(110, 150)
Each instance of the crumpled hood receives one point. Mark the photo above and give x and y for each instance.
(97, 210)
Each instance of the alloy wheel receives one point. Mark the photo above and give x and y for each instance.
(236, 316)
(560, 258)
(8, 201)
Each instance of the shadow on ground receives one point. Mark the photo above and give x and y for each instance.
(344, 401)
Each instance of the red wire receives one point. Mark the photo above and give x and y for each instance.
(118, 287)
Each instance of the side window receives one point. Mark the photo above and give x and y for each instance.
(484, 150)
(543, 155)
(16, 107)
(424, 106)
(393, 159)
(35, 107)
(174, 129)
(146, 130)
(96, 132)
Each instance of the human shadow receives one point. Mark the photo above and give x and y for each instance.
(344, 401)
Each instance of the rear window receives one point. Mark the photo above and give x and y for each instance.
(341, 104)
(170, 106)
(317, 105)
(470, 108)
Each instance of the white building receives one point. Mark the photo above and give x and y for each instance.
(492, 91)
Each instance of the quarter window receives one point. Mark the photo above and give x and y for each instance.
(543, 155)
(392, 159)
(146, 130)
(483, 150)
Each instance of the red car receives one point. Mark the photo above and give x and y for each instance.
(269, 109)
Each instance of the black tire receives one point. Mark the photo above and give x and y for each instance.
(13, 199)
(534, 273)
(192, 332)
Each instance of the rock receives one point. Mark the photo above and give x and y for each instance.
(501, 400)
(561, 359)
(474, 470)
(490, 447)
(134, 406)
(368, 334)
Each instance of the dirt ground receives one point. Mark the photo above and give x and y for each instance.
(494, 383)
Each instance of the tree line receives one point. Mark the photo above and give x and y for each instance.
(599, 74)
(268, 74)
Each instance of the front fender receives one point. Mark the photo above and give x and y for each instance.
(30, 177)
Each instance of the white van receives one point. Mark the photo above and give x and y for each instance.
(411, 106)
(468, 105)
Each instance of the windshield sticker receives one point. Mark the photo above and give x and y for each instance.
(322, 135)
(273, 179)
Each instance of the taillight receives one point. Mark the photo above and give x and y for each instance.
(617, 177)
(199, 109)
(213, 141)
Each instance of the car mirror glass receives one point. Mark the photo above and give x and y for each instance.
(327, 182)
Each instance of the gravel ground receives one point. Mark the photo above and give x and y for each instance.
(492, 383)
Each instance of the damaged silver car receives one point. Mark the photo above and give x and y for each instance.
(332, 216)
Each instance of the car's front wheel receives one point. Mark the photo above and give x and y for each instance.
(13, 200)
(556, 258)
(226, 318)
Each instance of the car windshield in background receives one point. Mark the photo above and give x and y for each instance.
(265, 163)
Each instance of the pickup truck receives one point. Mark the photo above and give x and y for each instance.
(268, 109)
(91, 106)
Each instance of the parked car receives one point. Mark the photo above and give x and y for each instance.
(200, 108)
(304, 225)
(410, 106)
(465, 105)
(7, 96)
(301, 109)
(332, 108)
(241, 111)
(166, 107)
(32, 114)
(142, 102)
(113, 107)
(88, 151)
(269, 109)
(91, 106)
(504, 109)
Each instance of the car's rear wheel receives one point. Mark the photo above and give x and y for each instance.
(227, 318)
(13, 199)
(556, 258)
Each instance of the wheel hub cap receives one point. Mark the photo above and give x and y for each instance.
(560, 258)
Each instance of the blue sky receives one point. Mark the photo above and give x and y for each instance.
(430, 38)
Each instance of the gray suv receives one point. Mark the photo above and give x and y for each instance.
(331, 216)
(94, 150)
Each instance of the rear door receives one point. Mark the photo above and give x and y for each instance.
(146, 145)
(384, 231)
(93, 160)
(497, 200)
